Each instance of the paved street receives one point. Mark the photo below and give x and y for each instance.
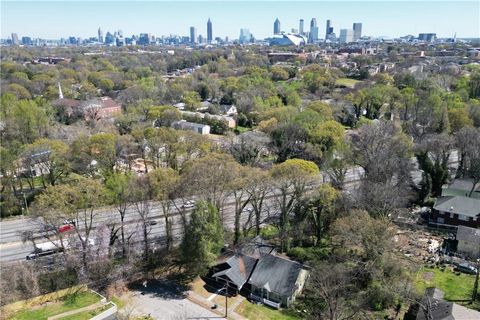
(12, 248)
(167, 301)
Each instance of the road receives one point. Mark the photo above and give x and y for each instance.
(12, 248)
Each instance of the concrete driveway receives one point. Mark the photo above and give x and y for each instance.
(165, 300)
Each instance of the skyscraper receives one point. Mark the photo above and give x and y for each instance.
(245, 36)
(300, 30)
(15, 39)
(313, 23)
(327, 31)
(357, 31)
(209, 31)
(346, 36)
(193, 35)
(313, 36)
(100, 35)
(276, 26)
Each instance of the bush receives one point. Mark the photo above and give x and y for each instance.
(303, 254)
(58, 280)
(380, 298)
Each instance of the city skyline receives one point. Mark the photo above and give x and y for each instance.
(379, 18)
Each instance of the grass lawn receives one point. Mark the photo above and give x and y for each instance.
(83, 299)
(260, 312)
(197, 286)
(346, 82)
(220, 300)
(243, 129)
(88, 314)
(456, 287)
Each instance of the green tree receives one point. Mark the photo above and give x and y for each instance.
(290, 180)
(322, 209)
(203, 238)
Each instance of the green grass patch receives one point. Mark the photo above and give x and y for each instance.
(240, 129)
(86, 315)
(346, 82)
(67, 303)
(260, 312)
(455, 286)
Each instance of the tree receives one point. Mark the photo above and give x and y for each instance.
(117, 186)
(164, 183)
(140, 194)
(191, 100)
(203, 238)
(288, 141)
(210, 178)
(258, 187)
(290, 180)
(468, 144)
(334, 283)
(321, 209)
(75, 202)
(432, 155)
(49, 157)
(102, 149)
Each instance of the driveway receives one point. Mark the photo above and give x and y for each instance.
(165, 300)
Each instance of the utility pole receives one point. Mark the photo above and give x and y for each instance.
(475, 286)
(226, 300)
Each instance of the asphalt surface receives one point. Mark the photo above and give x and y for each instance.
(13, 249)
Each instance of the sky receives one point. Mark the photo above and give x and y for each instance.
(56, 19)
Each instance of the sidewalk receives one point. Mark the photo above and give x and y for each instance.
(69, 313)
(220, 310)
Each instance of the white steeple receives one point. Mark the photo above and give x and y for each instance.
(60, 93)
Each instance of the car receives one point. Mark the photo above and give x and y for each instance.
(151, 222)
(466, 268)
(66, 227)
(188, 204)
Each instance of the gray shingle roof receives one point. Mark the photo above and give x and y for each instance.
(276, 274)
(239, 268)
(459, 205)
(468, 234)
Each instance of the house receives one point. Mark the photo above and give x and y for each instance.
(191, 126)
(256, 270)
(468, 241)
(456, 211)
(462, 187)
(433, 306)
(228, 110)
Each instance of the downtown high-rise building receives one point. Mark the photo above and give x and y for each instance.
(346, 36)
(15, 40)
(193, 35)
(209, 31)
(276, 27)
(100, 35)
(313, 23)
(245, 36)
(328, 29)
(300, 29)
(357, 31)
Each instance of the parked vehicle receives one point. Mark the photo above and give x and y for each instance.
(466, 268)
(189, 204)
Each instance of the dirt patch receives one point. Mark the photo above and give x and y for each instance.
(428, 276)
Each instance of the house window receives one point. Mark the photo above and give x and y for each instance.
(440, 220)
(462, 217)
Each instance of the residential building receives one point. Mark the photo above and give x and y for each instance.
(300, 29)
(455, 211)
(100, 35)
(346, 36)
(191, 126)
(276, 27)
(439, 308)
(357, 31)
(468, 241)
(100, 108)
(209, 31)
(193, 35)
(462, 187)
(257, 270)
(228, 110)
